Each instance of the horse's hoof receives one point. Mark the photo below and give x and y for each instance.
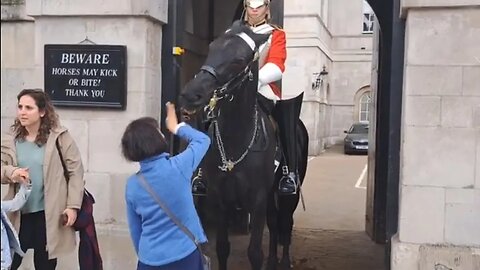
(272, 264)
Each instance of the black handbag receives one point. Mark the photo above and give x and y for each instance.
(205, 259)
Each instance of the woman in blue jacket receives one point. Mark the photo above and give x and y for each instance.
(158, 241)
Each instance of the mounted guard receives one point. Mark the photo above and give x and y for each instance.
(284, 108)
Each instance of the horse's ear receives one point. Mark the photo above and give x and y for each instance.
(238, 26)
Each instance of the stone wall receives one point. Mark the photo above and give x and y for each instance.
(440, 152)
(135, 24)
(327, 33)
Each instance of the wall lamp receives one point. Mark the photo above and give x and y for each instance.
(318, 78)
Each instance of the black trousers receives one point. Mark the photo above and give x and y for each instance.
(33, 235)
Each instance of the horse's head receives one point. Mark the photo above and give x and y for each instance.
(227, 65)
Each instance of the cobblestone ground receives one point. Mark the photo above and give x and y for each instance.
(311, 250)
(328, 236)
(319, 250)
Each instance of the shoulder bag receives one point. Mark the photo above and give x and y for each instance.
(85, 213)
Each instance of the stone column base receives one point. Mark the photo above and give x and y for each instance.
(408, 256)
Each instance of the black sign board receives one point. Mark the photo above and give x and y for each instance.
(86, 75)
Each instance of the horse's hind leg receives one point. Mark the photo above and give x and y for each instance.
(222, 243)
(272, 219)
(255, 252)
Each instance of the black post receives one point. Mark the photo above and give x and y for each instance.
(388, 130)
(395, 120)
(171, 65)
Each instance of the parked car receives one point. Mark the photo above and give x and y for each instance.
(356, 140)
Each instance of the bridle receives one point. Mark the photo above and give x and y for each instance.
(226, 91)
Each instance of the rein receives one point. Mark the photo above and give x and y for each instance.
(225, 91)
(222, 92)
(228, 165)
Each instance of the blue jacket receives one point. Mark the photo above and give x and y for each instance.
(156, 238)
(10, 242)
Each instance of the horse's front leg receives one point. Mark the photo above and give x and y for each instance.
(272, 223)
(222, 243)
(255, 252)
(285, 263)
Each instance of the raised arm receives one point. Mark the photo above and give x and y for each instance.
(198, 143)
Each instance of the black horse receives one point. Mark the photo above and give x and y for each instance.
(239, 165)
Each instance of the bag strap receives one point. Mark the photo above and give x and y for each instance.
(65, 171)
(169, 213)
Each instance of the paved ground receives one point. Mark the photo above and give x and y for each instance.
(329, 235)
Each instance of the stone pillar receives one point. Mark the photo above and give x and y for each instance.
(308, 41)
(17, 42)
(440, 152)
(135, 24)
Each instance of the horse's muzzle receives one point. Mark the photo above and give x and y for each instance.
(187, 114)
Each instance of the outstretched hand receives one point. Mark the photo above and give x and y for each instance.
(171, 120)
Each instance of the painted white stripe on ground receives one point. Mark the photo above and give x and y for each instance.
(310, 158)
(359, 181)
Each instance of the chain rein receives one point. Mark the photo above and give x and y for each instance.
(219, 94)
(228, 165)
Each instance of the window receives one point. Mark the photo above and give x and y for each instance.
(368, 18)
(365, 106)
(358, 129)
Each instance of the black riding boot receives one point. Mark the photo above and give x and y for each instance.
(199, 187)
(287, 113)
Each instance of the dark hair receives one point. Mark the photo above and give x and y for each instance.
(47, 122)
(142, 139)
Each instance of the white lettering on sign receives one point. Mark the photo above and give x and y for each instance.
(98, 93)
(76, 92)
(90, 82)
(86, 58)
(66, 71)
(108, 72)
(90, 72)
(73, 82)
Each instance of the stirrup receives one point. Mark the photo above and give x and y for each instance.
(288, 184)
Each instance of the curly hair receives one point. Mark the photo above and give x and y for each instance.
(48, 122)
